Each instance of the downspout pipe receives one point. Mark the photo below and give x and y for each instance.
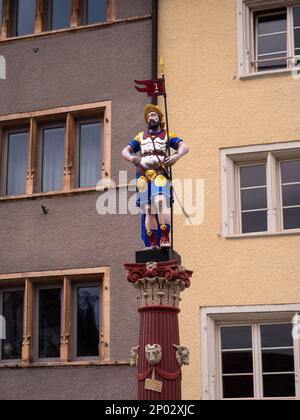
(154, 43)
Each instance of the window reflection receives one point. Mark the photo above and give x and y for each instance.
(88, 321)
(13, 307)
(26, 13)
(60, 14)
(49, 323)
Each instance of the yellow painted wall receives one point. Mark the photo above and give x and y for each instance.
(211, 109)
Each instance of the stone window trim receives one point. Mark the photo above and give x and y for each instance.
(40, 19)
(214, 317)
(29, 283)
(231, 158)
(70, 114)
(246, 10)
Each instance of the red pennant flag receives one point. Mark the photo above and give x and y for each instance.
(151, 87)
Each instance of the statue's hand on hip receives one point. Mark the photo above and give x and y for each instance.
(136, 160)
(171, 160)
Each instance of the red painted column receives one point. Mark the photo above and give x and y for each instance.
(159, 286)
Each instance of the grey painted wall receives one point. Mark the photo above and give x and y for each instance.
(77, 68)
(92, 383)
(129, 8)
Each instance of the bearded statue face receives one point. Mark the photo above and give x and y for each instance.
(153, 121)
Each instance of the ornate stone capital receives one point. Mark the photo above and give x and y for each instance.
(159, 283)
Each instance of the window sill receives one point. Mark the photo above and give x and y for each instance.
(64, 364)
(262, 74)
(75, 29)
(52, 193)
(263, 234)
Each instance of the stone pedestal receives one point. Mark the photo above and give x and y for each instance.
(159, 356)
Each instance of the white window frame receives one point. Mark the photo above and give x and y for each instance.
(246, 37)
(77, 286)
(37, 320)
(10, 290)
(212, 318)
(271, 154)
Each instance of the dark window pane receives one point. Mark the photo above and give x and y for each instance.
(253, 176)
(278, 360)
(53, 159)
(13, 306)
(272, 43)
(49, 323)
(297, 38)
(26, 12)
(17, 163)
(290, 171)
(291, 195)
(291, 218)
(271, 24)
(61, 14)
(96, 11)
(236, 338)
(276, 335)
(256, 221)
(254, 199)
(90, 154)
(238, 387)
(271, 65)
(88, 321)
(237, 362)
(296, 16)
(1, 11)
(279, 386)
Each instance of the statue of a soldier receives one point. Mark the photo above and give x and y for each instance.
(153, 181)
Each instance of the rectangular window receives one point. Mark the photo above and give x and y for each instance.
(94, 11)
(52, 157)
(59, 14)
(261, 197)
(59, 150)
(15, 162)
(271, 40)
(12, 309)
(1, 11)
(237, 362)
(254, 207)
(296, 21)
(88, 315)
(89, 152)
(66, 316)
(23, 17)
(49, 327)
(241, 373)
(268, 38)
(290, 182)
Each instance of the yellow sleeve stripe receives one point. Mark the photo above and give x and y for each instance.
(172, 135)
(139, 136)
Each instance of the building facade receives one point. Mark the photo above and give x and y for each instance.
(233, 96)
(67, 109)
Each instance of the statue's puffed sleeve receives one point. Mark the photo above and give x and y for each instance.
(174, 140)
(136, 143)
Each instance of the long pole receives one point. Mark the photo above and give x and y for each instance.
(169, 153)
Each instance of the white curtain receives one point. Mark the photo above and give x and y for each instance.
(17, 163)
(53, 159)
(90, 154)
